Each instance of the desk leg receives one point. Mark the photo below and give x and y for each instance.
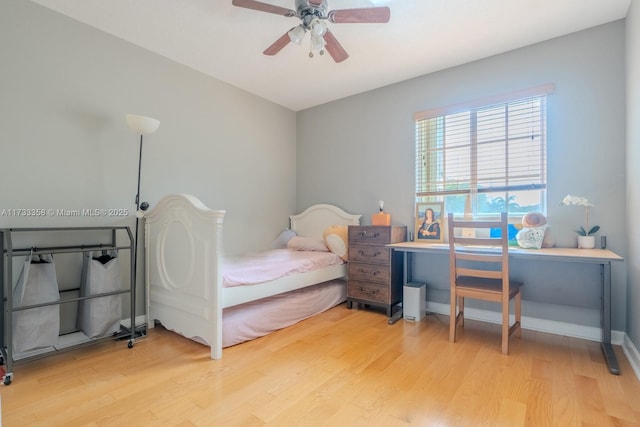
(399, 312)
(405, 268)
(607, 349)
(395, 316)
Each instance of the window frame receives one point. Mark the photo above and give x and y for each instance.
(471, 200)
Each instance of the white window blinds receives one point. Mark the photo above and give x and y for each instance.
(491, 154)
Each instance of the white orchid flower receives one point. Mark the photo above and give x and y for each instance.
(576, 200)
(581, 201)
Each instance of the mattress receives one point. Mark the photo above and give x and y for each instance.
(270, 265)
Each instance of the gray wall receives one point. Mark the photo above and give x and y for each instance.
(633, 172)
(360, 149)
(66, 87)
(65, 90)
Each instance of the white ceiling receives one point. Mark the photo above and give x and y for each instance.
(423, 36)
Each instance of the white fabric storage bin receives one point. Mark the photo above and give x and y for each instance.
(100, 316)
(37, 284)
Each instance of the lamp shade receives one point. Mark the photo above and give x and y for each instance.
(318, 27)
(297, 34)
(142, 124)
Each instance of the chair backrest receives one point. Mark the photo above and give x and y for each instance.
(474, 253)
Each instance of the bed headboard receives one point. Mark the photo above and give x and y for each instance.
(315, 219)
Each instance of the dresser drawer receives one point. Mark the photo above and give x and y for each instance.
(370, 273)
(370, 254)
(368, 292)
(370, 235)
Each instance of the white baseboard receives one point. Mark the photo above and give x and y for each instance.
(140, 320)
(633, 355)
(541, 325)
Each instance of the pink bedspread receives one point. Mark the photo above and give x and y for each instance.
(255, 319)
(273, 264)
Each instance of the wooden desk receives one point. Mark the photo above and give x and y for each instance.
(604, 257)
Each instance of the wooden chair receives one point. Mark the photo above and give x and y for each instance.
(479, 272)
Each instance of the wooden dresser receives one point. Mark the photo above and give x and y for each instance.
(375, 276)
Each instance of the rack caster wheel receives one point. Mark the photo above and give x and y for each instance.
(130, 345)
(7, 380)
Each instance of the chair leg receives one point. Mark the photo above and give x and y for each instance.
(505, 327)
(453, 318)
(518, 310)
(461, 310)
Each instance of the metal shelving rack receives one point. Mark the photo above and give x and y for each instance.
(8, 251)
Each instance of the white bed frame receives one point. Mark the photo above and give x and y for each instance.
(183, 248)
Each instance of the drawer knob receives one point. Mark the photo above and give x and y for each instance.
(365, 235)
(368, 291)
(369, 254)
(373, 272)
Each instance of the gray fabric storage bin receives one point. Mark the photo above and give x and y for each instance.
(37, 284)
(100, 316)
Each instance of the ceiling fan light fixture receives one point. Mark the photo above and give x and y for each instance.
(315, 16)
(296, 34)
(318, 27)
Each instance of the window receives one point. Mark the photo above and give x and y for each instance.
(485, 158)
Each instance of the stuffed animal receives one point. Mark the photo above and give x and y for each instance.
(537, 222)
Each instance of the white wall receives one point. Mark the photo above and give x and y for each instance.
(65, 89)
(633, 172)
(358, 150)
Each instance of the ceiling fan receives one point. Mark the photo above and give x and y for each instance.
(314, 15)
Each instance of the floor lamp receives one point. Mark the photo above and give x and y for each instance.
(140, 125)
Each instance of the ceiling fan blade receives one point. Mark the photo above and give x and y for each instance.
(278, 45)
(334, 48)
(264, 7)
(361, 16)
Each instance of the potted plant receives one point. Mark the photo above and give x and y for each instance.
(586, 235)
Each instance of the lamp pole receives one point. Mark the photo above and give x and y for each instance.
(139, 172)
(135, 245)
(140, 207)
(141, 125)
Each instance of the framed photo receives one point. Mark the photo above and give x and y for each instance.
(429, 222)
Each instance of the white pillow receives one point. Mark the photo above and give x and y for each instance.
(282, 239)
(300, 243)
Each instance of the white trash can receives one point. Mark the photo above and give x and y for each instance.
(414, 301)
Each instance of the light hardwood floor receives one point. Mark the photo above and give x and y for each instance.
(341, 368)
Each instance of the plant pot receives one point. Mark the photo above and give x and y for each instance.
(586, 242)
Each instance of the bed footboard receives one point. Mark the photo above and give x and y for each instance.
(183, 244)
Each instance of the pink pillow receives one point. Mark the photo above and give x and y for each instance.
(299, 243)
